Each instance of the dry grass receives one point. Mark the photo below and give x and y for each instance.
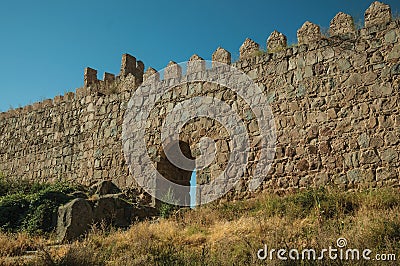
(13, 246)
(18, 244)
(232, 233)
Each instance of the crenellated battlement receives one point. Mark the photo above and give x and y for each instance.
(378, 17)
(335, 100)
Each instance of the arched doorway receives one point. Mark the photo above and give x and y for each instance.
(174, 174)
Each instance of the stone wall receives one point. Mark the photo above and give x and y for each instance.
(335, 101)
(76, 136)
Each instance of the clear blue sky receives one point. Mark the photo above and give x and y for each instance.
(45, 45)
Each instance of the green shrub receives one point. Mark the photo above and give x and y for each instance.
(31, 206)
(13, 209)
(42, 214)
(166, 208)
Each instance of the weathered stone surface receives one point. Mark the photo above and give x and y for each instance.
(389, 156)
(221, 55)
(139, 71)
(343, 64)
(354, 175)
(385, 173)
(104, 187)
(369, 157)
(321, 180)
(151, 73)
(324, 147)
(394, 53)
(342, 24)
(302, 165)
(363, 140)
(376, 142)
(128, 65)
(108, 77)
(308, 33)
(276, 42)
(249, 48)
(340, 180)
(196, 64)
(395, 70)
(90, 76)
(173, 70)
(112, 210)
(74, 220)
(391, 36)
(377, 13)
(76, 217)
(368, 176)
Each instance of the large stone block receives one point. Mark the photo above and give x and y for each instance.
(74, 219)
(302, 165)
(112, 210)
(389, 156)
(369, 157)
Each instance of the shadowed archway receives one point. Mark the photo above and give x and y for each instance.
(174, 174)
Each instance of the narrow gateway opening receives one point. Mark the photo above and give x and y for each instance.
(193, 187)
(174, 174)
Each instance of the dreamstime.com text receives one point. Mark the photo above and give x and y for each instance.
(340, 252)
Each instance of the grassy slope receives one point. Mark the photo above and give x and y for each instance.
(233, 232)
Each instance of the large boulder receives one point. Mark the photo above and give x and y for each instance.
(74, 219)
(108, 206)
(112, 210)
